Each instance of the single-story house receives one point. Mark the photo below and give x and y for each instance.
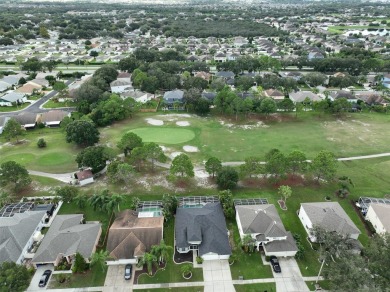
(372, 98)
(328, 215)
(123, 76)
(4, 86)
(315, 56)
(204, 75)
(84, 177)
(39, 81)
(350, 96)
(300, 96)
(263, 224)
(119, 86)
(138, 96)
(202, 229)
(225, 75)
(12, 97)
(29, 88)
(171, 97)
(53, 118)
(132, 234)
(67, 236)
(27, 120)
(274, 94)
(17, 235)
(379, 216)
(210, 96)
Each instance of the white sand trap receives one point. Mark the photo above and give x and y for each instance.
(201, 173)
(188, 148)
(183, 123)
(174, 154)
(176, 115)
(163, 148)
(155, 122)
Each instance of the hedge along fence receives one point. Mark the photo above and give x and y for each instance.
(151, 110)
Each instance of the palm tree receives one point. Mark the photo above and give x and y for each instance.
(99, 201)
(149, 260)
(161, 251)
(113, 203)
(81, 200)
(99, 258)
(5, 198)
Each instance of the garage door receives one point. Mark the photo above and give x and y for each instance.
(209, 257)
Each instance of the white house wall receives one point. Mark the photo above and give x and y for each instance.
(306, 222)
(375, 221)
(281, 253)
(214, 256)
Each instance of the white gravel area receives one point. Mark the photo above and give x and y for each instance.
(174, 154)
(183, 123)
(155, 122)
(188, 148)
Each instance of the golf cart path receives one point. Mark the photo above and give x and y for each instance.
(66, 177)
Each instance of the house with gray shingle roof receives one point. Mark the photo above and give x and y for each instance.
(328, 215)
(202, 229)
(17, 235)
(12, 97)
(68, 235)
(263, 224)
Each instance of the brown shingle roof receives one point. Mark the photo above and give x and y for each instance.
(130, 236)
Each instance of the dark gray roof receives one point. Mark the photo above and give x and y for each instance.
(206, 224)
(209, 95)
(67, 236)
(331, 216)
(26, 118)
(15, 233)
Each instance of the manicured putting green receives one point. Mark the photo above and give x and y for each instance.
(164, 135)
(22, 158)
(54, 158)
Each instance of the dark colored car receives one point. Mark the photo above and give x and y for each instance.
(45, 278)
(128, 269)
(275, 264)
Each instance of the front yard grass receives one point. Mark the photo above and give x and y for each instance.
(171, 273)
(5, 109)
(179, 289)
(52, 104)
(92, 278)
(248, 265)
(259, 287)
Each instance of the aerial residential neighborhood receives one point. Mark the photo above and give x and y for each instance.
(194, 146)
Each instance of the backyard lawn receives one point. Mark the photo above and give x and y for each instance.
(52, 104)
(171, 273)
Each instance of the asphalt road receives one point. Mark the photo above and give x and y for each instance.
(35, 107)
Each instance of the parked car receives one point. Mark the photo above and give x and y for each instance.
(275, 264)
(128, 269)
(45, 278)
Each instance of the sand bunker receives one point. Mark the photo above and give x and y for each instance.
(188, 148)
(155, 122)
(183, 123)
(174, 154)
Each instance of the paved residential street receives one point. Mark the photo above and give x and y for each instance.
(36, 106)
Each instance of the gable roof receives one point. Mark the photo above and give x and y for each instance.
(26, 118)
(15, 233)
(53, 116)
(281, 245)
(300, 96)
(174, 95)
(206, 224)
(12, 96)
(67, 236)
(330, 216)
(130, 236)
(273, 93)
(263, 219)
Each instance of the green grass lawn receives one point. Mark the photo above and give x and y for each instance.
(52, 104)
(259, 287)
(57, 157)
(92, 278)
(325, 285)
(4, 109)
(248, 265)
(179, 289)
(338, 29)
(171, 273)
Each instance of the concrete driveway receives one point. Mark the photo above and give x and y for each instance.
(37, 276)
(290, 279)
(115, 280)
(217, 276)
